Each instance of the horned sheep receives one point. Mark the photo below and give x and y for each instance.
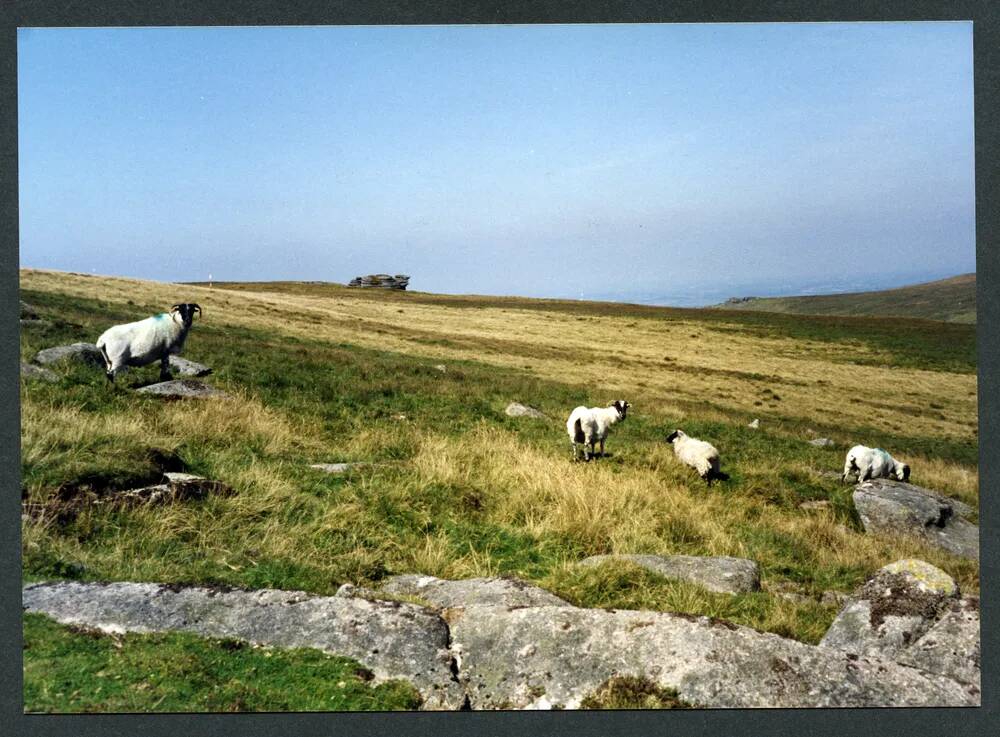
(589, 426)
(154, 339)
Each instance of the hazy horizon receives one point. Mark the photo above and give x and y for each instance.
(672, 164)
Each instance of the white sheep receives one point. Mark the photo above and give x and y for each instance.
(701, 456)
(873, 463)
(140, 343)
(590, 425)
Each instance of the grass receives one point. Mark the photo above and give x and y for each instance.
(459, 489)
(68, 669)
(630, 692)
(953, 300)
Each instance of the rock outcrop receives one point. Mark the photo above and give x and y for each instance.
(722, 574)
(502, 592)
(504, 644)
(381, 281)
(392, 639)
(554, 657)
(899, 508)
(910, 612)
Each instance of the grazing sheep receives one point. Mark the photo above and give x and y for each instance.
(590, 425)
(140, 343)
(701, 456)
(873, 463)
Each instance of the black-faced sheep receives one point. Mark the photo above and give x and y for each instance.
(589, 426)
(154, 339)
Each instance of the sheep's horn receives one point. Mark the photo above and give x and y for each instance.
(197, 308)
(175, 308)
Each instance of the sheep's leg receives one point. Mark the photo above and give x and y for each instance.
(165, 368)
(602, 447)
(867, 474)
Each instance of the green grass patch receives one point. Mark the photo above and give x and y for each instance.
(67, 669)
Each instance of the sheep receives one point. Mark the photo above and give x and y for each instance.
(873, 463)
(140, 343)
(590, 425)
(701, 456)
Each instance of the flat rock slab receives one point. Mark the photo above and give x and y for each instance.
(502, 592)
(393, 640)
(722, 574)
(185, 367)
(337, 467)
(515, 409)
(86, 353)
(553, 657)
(30, 371)
(822, 442)
(899, 508)
(183, 389)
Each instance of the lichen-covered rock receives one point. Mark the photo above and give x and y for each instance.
(952, 646)
(822, 442)
(30, 371)
(555, 657)
(899, 508)
(722, 574)
(183, 389)
(892, 610)
(185, 367)
(392, 639)
(516, 409)
(86, 353)
(503, 592)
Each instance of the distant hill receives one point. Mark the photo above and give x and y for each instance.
(951, 300)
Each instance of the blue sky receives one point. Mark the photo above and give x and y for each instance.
(671, 163)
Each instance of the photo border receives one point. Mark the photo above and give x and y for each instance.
(818, 722)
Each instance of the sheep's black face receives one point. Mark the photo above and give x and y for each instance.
(672, 437)
(186, 312)
(905, 473)
(621, 407)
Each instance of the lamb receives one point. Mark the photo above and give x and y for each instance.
(701, 456)
(140, 343)
(590, 425)
(873, 463)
